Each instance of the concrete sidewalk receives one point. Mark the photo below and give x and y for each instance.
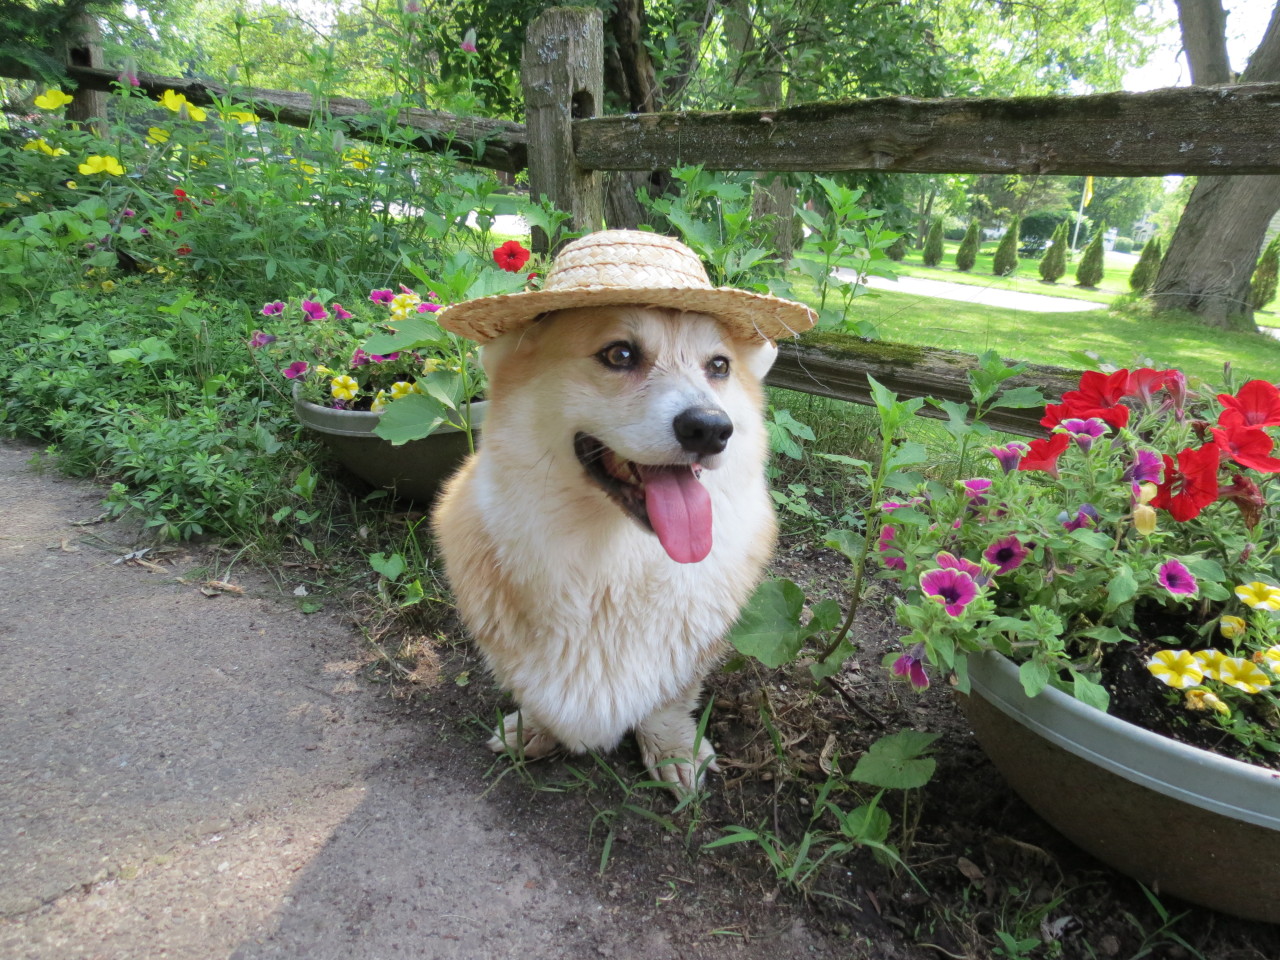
(193, 777)
(976, 293)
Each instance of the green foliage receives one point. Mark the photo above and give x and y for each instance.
(1148, 265)
(1005, 260)
(1054, 262)
(1089, 270)
(933, 244)
(967, 252)
(1262, 288)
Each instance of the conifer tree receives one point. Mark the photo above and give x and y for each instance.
(1262, 288)
(1006, 258)
(1144, 271)
(898, 249)
(1054, 262)
(967, 254)
(1089, 272)
(933, 244)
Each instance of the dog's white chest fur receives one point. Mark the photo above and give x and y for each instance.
(580, 611)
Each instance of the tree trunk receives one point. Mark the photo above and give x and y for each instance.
(1218, 239)
(84, 49)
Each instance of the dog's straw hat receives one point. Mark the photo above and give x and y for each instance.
(629, 268)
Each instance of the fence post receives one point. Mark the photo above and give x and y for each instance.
(563, 78)
(84, 49)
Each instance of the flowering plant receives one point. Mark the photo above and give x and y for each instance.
(1140, 519)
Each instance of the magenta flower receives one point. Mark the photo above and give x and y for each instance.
(975, 488)
(949, 561)
(1006, 553)
(1084, 432)
(382, 296)
(379, 358)
(1177, 579)
(359, 358)
(1010, 454)
(272, 309)
(911, 666)
(1148, 468)
(1086, 517)
(428, 307)
(314, 310)
(889, 555)
(341, 312)
(469, 40)
(296, 369)
(130, 213)
(891, 505)
(260, 339)
(954, 589)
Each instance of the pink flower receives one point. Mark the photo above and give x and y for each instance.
(949, 561)
(272, 309)
(1177, 579)
(296, 369)
(1006, 553)
(341, 312)
(889, 556)
(954, 589)
(260, 339)
(469, 40)
(382, 296)
(428, 307)
(314, 310)
(911, 666)
(1009, 454)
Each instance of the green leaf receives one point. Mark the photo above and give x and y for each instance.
(868, 823)
(1086, 691)
(1020, 397)
(896, 761)
(1122, 586)
(410, 332)
(827, 615)
(1034, 675)
(389, 566)
(1092, 538)
(410, 418)
(848, 542)
(906, 455)
(769, 628)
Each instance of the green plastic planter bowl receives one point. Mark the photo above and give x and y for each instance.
(1179, 819)
(411, 471)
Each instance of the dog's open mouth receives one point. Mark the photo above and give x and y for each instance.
(669, 500)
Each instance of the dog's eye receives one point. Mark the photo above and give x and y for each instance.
(718, 368)
(619, 356)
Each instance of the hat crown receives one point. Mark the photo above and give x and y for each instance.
(626, 259)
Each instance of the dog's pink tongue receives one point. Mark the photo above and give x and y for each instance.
(680, 511)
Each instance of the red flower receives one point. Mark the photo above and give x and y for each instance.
(183, 250)
(1098, 396)
(1257, 402)
(1044, 454)
(1054, 414)
(180, 194)
(1244, 493)
(1144, 381)
(1190, 484)
(511, 256)
(1247, 446)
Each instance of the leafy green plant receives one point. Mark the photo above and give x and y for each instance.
(933, 244)
(967, 252)
(1089, 270)
(1053, 265)
(1262, 288)
(1005, 260)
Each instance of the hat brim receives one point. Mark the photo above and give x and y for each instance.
(749, 316)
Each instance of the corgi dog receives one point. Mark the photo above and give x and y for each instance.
(613, 521)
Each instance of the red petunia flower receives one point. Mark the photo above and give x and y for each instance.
(1244, 493)
(183, 250)
(1044, 454)
(1257, 402)
(180, 194)
(1098, 397)
(1190, 483)
(1248, 446)
(511, 256)
(1144, 381)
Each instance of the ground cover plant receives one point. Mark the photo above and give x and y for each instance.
(129, 306)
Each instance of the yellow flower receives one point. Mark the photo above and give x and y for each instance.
(322, 370)
(43, 146)
(344, 387)
(431, 365)
(1242, 674)
(71, 184)
(1269, 658)
(302, 165)
(1202, 699)
(358, 158)
(1231, 627)
(157, 135)
(1259, 595)
(108, 286)
(1210, 662)
(1177, 668)
(97, 164)
(178, 103)
(241, 116)
(52, 99)
(379, 402)
(1144, 519)
(27, 196)
(400, 389)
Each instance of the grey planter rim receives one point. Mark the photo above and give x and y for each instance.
(1223, 785)
(361, 423)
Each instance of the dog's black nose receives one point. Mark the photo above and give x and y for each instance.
(703, 429)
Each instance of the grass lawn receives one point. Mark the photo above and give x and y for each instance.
(1123, 338)
(1026, 279)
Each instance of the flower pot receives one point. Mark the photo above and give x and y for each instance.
(1179, 819)
(412, 471)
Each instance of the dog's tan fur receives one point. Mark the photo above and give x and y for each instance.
(579, 611)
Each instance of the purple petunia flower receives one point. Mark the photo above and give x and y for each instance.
(949, 561)
(428, 307)
(341, 312)
(382, 296)
(975, 488)
(1148, 468)
(1084, 432)
(911, 666)
(359, 358)
(1086, 516)
(1010, 454)
(954, 589)
(273, 309)
(1007, 554)
(260, 339)
(314, 310)
(888, 554)
(296, 369)
(1177, 579)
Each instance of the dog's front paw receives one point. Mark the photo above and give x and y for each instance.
(674, 754)
(521, 737)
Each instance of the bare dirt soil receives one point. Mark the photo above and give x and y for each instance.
(186, 775)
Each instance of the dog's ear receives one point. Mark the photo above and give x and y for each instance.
(494, 353)
(758, 355)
